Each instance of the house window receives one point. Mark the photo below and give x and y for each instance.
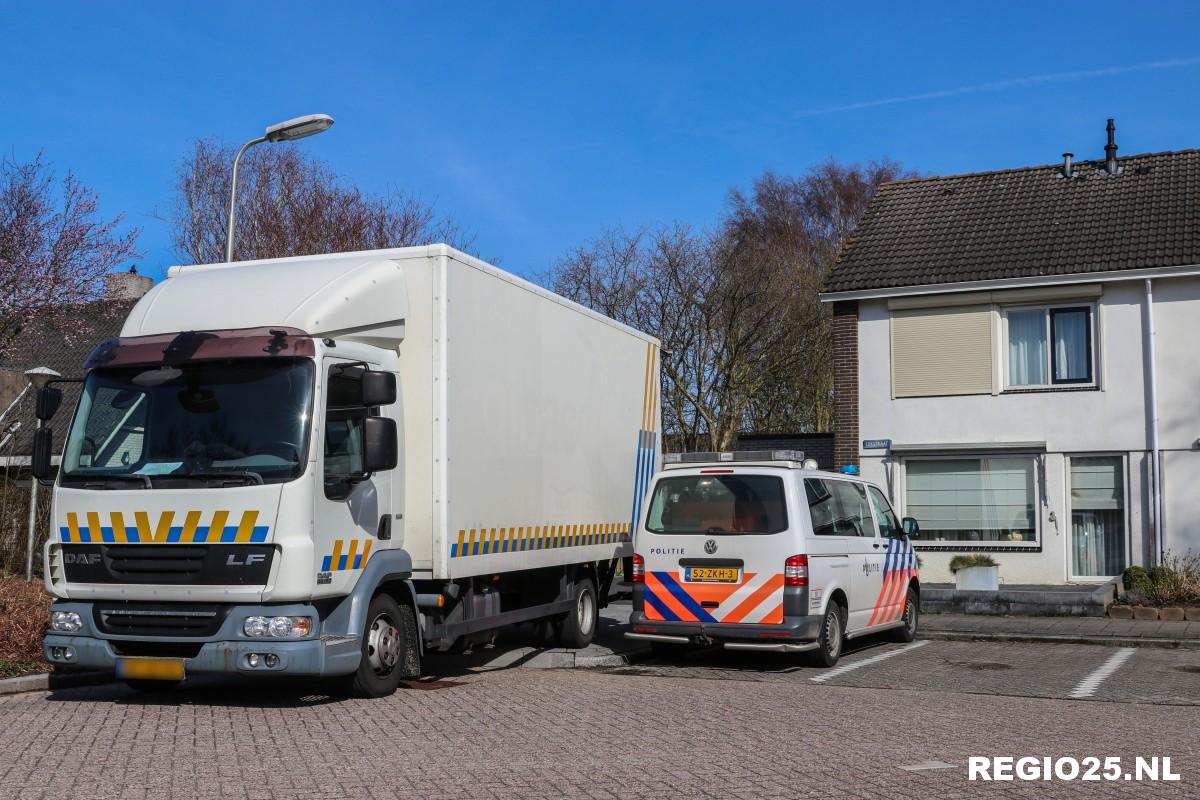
(981, 500)
(1049, 346)
(1097, 516)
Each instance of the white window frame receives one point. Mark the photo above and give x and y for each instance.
(1070, 515)
(1046, 308)
(963, 545)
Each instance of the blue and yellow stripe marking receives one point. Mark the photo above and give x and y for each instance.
(162, 531)
(346, 555)
(523, 539)
(647, 438)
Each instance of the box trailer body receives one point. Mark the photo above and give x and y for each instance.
(215, 465)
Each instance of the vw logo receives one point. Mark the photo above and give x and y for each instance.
(710, 546)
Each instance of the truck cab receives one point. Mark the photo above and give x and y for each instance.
(761, 551)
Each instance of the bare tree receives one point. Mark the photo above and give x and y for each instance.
(54, 252)
(290, 204)
(746, 341)
(797, 226)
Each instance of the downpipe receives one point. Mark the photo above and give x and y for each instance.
(1152, 414)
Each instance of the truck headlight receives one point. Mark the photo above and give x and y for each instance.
(277, 627)
(65, 621)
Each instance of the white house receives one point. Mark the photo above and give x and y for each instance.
(1017, 360)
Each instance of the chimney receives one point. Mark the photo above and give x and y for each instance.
(1067, 171)
(1110, 151)
(126, 285)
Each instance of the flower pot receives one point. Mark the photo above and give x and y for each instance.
(977, 579)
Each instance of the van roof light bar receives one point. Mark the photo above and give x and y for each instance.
(735, 455)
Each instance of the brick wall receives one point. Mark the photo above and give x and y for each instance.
(845, 382)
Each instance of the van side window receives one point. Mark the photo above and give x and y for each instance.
(854, 515)
(885, 517)
(821, 507)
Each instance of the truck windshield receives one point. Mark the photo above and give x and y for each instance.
(195, 424)
(717, 504)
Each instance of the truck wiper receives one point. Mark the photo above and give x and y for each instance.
(222, 475)
(99, 480)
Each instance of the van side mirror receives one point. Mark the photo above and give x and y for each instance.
(911, 528)
(380, 444)
(378, 388)
(43, 445)
(49, 398)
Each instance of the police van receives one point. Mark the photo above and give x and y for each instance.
(763, 551)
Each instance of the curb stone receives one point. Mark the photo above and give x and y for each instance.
(49, 681)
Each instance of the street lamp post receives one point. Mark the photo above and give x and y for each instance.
(38, 377)
(286, 131)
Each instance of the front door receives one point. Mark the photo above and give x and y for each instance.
(899, 563)
(349, 503)
(863, 547)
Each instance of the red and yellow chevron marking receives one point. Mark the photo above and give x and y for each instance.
(756, 600)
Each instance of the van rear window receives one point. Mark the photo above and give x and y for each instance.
(718, 504)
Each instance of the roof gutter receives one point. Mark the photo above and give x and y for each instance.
(1015, 283)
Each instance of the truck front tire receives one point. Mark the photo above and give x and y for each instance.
(579, 626)
(390, 650)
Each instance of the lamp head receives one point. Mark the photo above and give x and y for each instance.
(40, 376)
(298, 128)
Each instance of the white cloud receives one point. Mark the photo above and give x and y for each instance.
(999, 86)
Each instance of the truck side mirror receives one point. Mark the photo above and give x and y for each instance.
(911, 528)
(380, 444)
(378, 388)
(49, 398)
(43, 444)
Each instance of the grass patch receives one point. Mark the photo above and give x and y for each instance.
(16, 667)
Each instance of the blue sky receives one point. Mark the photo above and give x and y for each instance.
(537, 125)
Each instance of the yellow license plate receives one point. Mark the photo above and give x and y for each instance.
(713, 574)
(151, 669)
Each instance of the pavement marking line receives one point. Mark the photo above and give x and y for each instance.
(1088, 686)
(844, 668)
(927, 765)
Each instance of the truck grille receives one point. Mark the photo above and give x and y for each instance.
(175, 563)
(207, 565)
(159, 619)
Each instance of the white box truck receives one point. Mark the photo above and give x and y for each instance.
(325, 465)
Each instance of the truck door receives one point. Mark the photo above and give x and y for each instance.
(349, 502)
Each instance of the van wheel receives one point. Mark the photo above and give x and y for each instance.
(389, 649)
(829, 639)
(579, 625)
(908, 631)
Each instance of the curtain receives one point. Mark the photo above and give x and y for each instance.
(1071, 356)
(1027, 348)
(1097, 516)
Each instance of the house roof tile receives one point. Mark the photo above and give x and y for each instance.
(1026, 222)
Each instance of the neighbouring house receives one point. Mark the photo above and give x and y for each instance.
(1016, 362)
(64, 348)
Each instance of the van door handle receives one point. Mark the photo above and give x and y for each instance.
(876, 545)
(385, 528)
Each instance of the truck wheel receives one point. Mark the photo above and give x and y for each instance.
(829, 639)
(908, 631)
(578, 627)
(389, 648)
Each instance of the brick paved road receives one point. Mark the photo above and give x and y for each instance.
(707, 726)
